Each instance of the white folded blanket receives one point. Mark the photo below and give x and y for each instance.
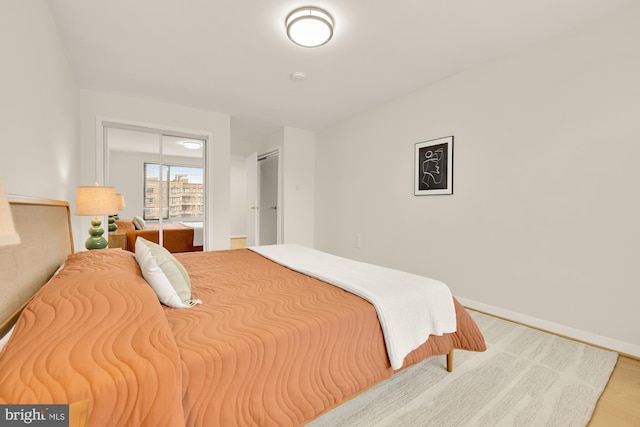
(198, 238)
(409, 307)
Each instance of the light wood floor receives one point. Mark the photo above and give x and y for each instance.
(619, 405)
(238, 242)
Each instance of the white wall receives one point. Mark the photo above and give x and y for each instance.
(543, 223)
(238, 197)
(98, 106)
(298, 198)
(39, 144)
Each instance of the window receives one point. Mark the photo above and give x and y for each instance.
(179, 182)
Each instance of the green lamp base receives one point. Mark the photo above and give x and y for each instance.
(96, 241)
(112, 223)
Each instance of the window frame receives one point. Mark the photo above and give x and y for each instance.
(170, 193)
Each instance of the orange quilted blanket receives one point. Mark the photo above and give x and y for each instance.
(272, 347)
(96, 332)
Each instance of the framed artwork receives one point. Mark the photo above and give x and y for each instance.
(434, 167)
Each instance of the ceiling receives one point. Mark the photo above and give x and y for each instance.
(233, 56)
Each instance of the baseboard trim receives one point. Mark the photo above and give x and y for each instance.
(624, 348)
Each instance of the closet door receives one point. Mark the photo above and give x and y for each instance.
(160, 175)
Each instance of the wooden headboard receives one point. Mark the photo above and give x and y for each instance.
(44, 227)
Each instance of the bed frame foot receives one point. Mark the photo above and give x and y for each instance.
(450, 361)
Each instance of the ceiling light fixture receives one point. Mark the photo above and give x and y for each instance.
(191, 145)
(309, 26)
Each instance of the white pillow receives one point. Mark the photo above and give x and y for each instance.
(139, 223)
(164, 273)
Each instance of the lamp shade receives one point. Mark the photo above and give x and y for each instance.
(120, 200)
(8, 235)
(96, 201)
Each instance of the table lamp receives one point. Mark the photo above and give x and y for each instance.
(113, 218)
(96, 201)
(8, 235)
(121, 204)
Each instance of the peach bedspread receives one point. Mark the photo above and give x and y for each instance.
(96, 332)
(272, 347)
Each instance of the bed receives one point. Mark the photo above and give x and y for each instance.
(262, 345)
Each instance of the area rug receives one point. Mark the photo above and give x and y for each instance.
(525, 378)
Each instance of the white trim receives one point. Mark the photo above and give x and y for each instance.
(556, 328)
(164, 130)
(271, 153)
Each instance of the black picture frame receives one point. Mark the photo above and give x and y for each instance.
(434, 167)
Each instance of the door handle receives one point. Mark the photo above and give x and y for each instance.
(255, 207)
(274, 207)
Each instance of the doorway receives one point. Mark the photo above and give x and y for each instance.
(268, 199)
(264, 213)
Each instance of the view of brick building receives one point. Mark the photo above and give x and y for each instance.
(180, 200)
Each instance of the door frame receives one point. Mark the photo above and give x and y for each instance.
(252, 214)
